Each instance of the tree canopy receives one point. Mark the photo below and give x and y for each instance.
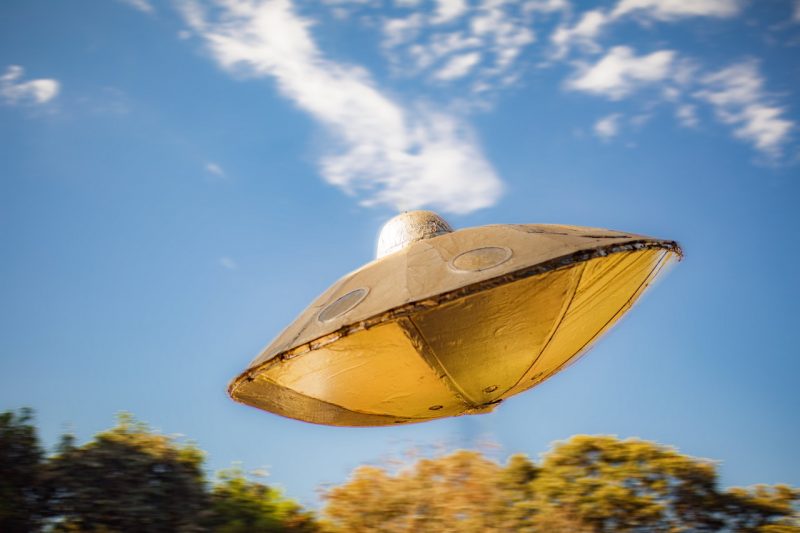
(594, 484)
(130, 478)
(21, 496)
(242, 505)
(126, 479)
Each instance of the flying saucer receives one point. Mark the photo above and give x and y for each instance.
(445, 323)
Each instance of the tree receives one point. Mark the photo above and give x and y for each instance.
(763, 509)
(127, 479)
(463, 491)
(629, 485)
(588, 484)
(637, 486)
(241, 505)
(21, 495)
(132, 479)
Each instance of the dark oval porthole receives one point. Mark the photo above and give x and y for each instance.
(342, 304)
(481, 258)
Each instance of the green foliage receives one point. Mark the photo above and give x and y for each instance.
(21, 496)
(127, 479)
(241, 505)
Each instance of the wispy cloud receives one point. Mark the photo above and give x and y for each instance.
(675, 9)
(215, 170)
(608, 126)
(458, 66)
(497, 31)
(621, 71)
(406, 157)
(546, 6)
(584, 33)
(591, 24)
(140, 5)
(14, 91)
(738, 97)
(402, 29)
(447, 10)
(687, 115)
(228, 263)
(736, 93)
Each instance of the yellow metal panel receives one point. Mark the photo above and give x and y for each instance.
(607, 287)
(485, 342)
(376, 371)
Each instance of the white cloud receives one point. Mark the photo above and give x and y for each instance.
(738, 97)
(440, 46)
(215, 169)
(546, 6)
(400, 30)
(584, 33)
(620, 72)
(404, 157)
(141, 5)
(228, 263)
(674, 9)
(499, 30)
(14, 91)
(592, 23)
(193, 13)
(458, 66)
(503, 33)
(608, 126)
(448, 10)
(687, 115)
(796, 13)
(640, 119)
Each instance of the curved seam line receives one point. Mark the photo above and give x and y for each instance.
(651, 276)
(553, 331)
(428, 354)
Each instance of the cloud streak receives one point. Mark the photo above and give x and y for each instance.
(386, 153)
(585, 32)
(140, 5)
(738, 98)
(228, 263)
(14, 91)
(675, 9)
(608, 126)
(621, 71)
(215, 170)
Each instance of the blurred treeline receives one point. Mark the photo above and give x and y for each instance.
(130, 478)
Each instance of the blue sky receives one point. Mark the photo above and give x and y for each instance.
(178, 180)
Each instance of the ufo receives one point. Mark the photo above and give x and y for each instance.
(446, 323)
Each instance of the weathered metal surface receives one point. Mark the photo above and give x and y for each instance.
(447, 322)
